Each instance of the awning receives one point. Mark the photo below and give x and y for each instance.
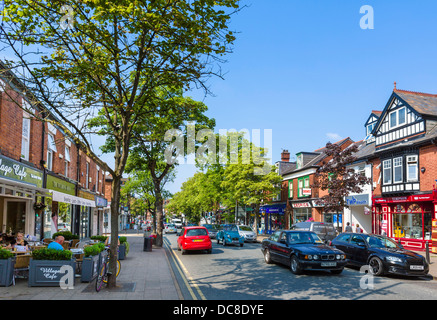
(66, 198)
(21, 189)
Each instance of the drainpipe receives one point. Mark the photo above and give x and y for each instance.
(44, 170)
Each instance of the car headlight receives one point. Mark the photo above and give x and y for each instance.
(338, 257)
(315, 257)
(394, 259)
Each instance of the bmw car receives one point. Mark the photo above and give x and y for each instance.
(302, 250)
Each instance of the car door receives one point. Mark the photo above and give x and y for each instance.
(274, 249)
(282, 249)
(359, 249)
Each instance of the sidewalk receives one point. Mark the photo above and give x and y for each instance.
(143, 276)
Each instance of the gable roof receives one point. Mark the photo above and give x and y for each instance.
(423, 103)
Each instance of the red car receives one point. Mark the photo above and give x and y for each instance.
(194, 238)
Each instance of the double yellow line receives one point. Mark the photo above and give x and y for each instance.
(185, 275)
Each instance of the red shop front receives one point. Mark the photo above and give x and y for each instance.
(405, 218)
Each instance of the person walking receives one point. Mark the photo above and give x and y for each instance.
(358, 229)
(348, 227)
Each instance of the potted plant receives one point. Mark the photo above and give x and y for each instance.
(46, 264)
(123, 249)
(7, 262)
(91, 262)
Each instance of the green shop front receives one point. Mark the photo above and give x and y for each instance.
(21, 186)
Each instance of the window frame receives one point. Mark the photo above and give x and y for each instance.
(416, 161)
(397, 166)
(389, 169)
(396, 113)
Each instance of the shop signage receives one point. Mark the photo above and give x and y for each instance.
(358, 200)
(306, 191)
(301, 205)
(413, 198)
(101, 202)
(14, 170)
(57, 184)
(66, 198)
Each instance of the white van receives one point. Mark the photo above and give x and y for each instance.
(177, 223)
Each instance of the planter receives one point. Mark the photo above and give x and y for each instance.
(90, 268)
(6, 272)
(47, 273)
(122, 252)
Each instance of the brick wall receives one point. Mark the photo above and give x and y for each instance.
(428, 160)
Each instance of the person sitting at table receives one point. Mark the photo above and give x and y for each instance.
(3, 240)
(19, 241)
(57, 244)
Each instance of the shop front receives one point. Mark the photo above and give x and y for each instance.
(60, 211)
(20, 188)
(302, 211)
(272, 217)
(87, 213)
(101, 205)
(407, 219)
(359, 212)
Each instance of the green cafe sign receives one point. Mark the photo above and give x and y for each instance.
(13, 170)
(56, 184)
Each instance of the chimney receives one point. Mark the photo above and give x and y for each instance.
(285, 156)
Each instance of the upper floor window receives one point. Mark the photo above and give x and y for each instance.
(398, 117)
(386, 171)
(25, 137)
(397, 170)
(51, 149)
(370, 128)
(299, 160)
(412, 168)
(303, 183)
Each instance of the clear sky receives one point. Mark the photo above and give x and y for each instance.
(308, 71)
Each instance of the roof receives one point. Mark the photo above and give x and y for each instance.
(423, 103)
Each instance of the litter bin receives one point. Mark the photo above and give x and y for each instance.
(147, 244)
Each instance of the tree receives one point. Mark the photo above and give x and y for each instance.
(109, 59)
(337, 178)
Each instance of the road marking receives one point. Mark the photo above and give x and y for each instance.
(185, 274)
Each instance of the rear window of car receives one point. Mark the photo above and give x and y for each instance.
(196, 232)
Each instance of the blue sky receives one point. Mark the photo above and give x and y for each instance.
(306, 70)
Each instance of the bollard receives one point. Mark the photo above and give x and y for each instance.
(427, 252)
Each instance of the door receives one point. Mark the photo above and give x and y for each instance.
(282, 249)
(359, 249)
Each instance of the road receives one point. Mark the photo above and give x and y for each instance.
(234, 273)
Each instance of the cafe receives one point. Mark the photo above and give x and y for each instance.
(407, 219)
(20, 187)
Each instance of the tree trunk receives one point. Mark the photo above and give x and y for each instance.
(159, 215)
(256, 218)
(115, 204)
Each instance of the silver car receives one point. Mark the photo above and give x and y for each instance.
(247, 232)
(170, 228)
(212, 230)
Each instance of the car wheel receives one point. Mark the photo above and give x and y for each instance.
(375, 266)
(295, 265)
(267, 257)
(338, 271)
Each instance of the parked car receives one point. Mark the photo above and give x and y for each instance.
(194, 238)
(177, 223)
(63, 226)
(212, 230)
(302, 250)
(170, 228)
(230, 235)
(382, 254)
(326, 231)
(247, 233)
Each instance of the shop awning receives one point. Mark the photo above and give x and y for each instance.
(66, 198)
(20, 189)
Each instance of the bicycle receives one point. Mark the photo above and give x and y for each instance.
(102, 277)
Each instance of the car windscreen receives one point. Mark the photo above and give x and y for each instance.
(303, 237)
(381, 242)
(196, 232)
(245, 228)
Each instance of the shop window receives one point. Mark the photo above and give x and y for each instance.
(411, 226)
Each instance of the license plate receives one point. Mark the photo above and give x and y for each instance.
(416, 267)
(199, 240)
(329, 264)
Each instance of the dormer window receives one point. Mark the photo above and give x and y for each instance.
(397, 118)
(370, 128)
(299, 160)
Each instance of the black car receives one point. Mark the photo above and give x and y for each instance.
(302, 250)
(383, 255)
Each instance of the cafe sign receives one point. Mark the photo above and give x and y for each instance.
(17, 171)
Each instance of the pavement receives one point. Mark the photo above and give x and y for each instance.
(145, 275)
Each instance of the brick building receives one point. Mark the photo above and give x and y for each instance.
(41, 164)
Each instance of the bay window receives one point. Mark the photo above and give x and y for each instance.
(386, 171)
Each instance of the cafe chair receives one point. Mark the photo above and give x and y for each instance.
(21, 266)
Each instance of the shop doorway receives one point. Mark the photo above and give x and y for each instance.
(14, 219)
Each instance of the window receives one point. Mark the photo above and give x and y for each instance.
(299, 160)
(25, 137)
(386, 171)
(290, 188)
(412, 168)
(87, 175)
(51, 148)
(97, 181)
(67, 160)
(397, 170)
(397, 117)
(303, 183)
(370, 128)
